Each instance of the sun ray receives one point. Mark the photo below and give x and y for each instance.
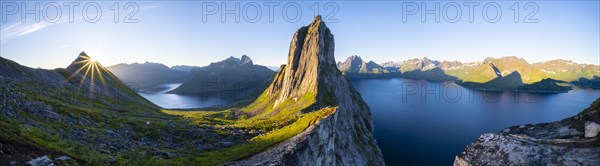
(100, 75)
(77, 72)
(85, 75)
(93, 71)
(92, 82)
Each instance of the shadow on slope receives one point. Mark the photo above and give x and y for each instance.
(593, 83)
(513, 82)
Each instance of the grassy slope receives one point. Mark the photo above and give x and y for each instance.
(131, 114)
(109, 113)
(478, 73)
(280, 123)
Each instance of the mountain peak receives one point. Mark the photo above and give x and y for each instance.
(246, 60)
(83, 54)
(233, 61)
(311, 76)
(311, 53)
(79, 62)
(317, 19)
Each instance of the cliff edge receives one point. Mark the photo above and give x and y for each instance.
(342, 138)
(571, 141)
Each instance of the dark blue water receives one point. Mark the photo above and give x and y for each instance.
(425, 123)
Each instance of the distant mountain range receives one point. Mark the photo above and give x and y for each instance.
(185, 68)
(149, 75)
(499, 74)
(226, 75)
(355, 64)
(495, 74)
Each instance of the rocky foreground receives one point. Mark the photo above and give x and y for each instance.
(571, 141)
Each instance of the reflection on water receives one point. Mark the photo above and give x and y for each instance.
(159, 96)
(425, 123)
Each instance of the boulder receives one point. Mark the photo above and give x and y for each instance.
(41, 161)
(591, 129)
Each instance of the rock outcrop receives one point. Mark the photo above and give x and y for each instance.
(342, 138)
(556, 143)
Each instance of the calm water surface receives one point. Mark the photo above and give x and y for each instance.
(425, 123)
(159, 97)
(412, 128)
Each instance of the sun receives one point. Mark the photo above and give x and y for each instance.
(90, 70)
(93, 60)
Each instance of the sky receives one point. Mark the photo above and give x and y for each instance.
(194, 32)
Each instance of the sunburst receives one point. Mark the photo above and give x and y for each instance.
(93, 71)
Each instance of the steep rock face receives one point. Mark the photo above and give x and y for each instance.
(556, 143)
(343, 138)
(245, 60)
(311, 53)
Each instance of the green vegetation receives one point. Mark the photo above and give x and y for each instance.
(482, 76)
(105, 113)
(478, 73)
(111, 124)
(278, 124)
(256, 144)
(103, 117)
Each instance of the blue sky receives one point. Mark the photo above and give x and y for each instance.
(174, 33)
